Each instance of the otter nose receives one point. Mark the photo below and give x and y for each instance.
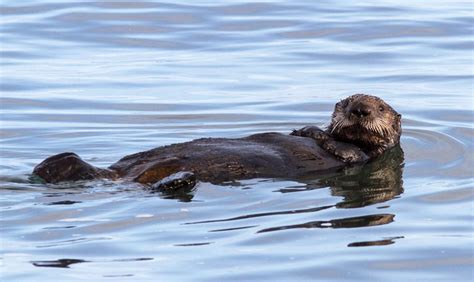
(361, 111)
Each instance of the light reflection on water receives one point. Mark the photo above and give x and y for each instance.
(106, 79)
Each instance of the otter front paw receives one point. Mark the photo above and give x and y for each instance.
(313, 132)
(185, 180)
(347, 153)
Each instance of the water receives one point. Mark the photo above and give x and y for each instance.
(106, 79)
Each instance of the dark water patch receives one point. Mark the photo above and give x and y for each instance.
(168, 18)
(232, 229)
(34, 8)
(63, 263)
(127, 29)
(21, 86)
(60, 227)
(263, 214)
(249, 9)
(132, 259)
(6, 54)
(367, 58)
(316, 32)
(249, 26)
(66, 202)
(383, 242)
(426, 263)
(118, 5)
(193, 244)
(404, 30)
(465, 44)
(352, 222)
(118, 275)
(150, 43)
(84, 104)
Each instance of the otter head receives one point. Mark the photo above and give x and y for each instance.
(366, 121)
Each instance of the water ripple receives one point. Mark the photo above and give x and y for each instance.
(110, 78)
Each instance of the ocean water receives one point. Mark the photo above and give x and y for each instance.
(109, 78)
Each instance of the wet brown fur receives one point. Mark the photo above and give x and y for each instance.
(261, 155)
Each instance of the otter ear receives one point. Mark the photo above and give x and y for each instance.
(343, 103)
(399, 120)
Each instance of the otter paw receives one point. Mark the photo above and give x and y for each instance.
(183, 180)
(345, 152)
(313, 132)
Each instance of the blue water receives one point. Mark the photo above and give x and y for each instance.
(108, 78)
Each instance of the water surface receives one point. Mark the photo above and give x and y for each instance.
(109, 78)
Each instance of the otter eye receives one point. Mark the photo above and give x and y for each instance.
(381, 108)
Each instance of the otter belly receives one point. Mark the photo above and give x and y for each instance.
(220, 159)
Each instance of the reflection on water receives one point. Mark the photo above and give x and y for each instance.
(383, 242)
(57, 263)
(375, 182)
(64, 203)
(351, 222)
(361, 185)
(288, 212)
(65, 263)
(109, 78)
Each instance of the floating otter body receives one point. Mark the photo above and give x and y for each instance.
(362, 127)
(210, 159)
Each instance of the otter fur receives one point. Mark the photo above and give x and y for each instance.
(362, 127)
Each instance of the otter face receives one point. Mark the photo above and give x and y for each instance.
(366, 121)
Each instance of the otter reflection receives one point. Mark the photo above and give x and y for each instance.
(374, 182)
(350, 222)
(362, 185)
(62, 263)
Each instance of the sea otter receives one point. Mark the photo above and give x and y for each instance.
(362, 128)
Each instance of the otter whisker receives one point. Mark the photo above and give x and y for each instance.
(339, 122)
